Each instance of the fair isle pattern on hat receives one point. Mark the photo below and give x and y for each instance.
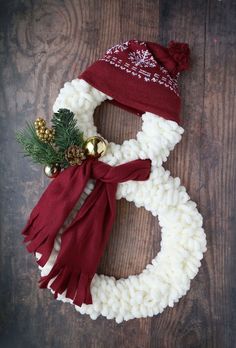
(138, 59)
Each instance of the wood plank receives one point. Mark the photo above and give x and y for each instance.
(186, 325)
(217, 180)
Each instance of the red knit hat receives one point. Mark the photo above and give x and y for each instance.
(141, 76)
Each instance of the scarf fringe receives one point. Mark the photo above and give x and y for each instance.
(76, 284)
(38, 240)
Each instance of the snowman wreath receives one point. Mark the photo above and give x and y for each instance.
(89, 174)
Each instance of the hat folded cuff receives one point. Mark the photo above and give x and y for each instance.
(131, 93)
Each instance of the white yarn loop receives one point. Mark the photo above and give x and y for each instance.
(163, 282)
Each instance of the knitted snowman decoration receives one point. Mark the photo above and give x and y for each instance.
(140, 77)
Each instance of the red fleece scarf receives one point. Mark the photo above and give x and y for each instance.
(84, 240)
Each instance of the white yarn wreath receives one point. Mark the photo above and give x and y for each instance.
(183, 242)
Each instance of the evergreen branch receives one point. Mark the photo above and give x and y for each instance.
(66, 131)
(66, 134)
(40, 152)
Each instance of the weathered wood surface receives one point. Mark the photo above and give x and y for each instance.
(43, 44)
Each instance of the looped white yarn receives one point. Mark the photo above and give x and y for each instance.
(163, 282)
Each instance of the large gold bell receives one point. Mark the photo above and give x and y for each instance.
(52, 171)
(95, 147)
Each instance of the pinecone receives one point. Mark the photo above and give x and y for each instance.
(74, 155)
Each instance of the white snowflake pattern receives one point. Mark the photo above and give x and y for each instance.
(142, 58)
(118, 48)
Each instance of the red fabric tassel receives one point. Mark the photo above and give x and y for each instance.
(84, 240)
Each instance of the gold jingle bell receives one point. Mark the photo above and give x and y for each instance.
(52, 171)
(95, 147)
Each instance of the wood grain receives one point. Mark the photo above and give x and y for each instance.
(45, 43)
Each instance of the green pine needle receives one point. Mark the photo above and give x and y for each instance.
(66, 131)
(42, 153)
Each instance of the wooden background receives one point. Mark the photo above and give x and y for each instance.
(45, 43)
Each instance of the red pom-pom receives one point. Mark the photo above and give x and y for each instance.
(180, 52)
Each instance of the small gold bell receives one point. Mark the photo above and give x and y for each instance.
(95, 147)
(52, 171)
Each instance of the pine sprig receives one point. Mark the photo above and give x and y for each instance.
(66, 131)
(50, 153)
(42, 153)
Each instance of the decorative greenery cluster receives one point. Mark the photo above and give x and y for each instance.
(66, 134)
